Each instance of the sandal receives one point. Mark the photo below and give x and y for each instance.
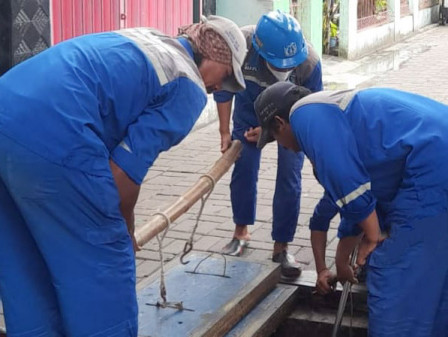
(236, 247)
(289, 266)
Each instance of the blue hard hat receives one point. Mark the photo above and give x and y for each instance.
(279, 40)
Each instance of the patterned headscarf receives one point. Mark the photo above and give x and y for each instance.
(208, 42)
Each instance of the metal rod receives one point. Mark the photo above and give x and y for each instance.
(343, 299)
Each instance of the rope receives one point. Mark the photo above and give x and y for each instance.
(205, 258)
(162, 269)
(189, 244)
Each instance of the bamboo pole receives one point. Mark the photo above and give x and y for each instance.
(158, 223)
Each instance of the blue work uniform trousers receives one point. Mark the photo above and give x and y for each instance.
(243, 187)
(66, 260)
(407, 281)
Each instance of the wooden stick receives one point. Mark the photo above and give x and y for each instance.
(158, 222)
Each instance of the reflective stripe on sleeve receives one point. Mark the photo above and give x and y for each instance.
(353, 195)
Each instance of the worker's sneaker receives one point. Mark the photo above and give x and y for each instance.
(235, 247)
(289, 266)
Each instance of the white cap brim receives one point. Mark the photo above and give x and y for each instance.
(236, 82)
(234, 38)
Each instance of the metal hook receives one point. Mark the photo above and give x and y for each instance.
(205, 258)
(187, 249)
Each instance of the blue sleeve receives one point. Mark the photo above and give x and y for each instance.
(325, 136)
(324, 211)
(161, 125)
(223, 96)
(346, 229)
(314, 82)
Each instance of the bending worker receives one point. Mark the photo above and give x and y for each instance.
(277, 51)
(324, 212)
(383, 149)
(80, 125)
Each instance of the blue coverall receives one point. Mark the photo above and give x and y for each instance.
(66, 259)
(388, 149)
(243, 186)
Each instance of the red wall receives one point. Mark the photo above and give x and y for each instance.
(76, 17)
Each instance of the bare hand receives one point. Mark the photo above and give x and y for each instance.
(326, 282)
(345, 273)
(135, 244)
(365, 248)
(253, 134)
(226, 141)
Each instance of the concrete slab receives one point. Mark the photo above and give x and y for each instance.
(213, 304)
(264, 319)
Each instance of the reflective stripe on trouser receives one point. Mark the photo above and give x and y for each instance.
(243, 187)
(66, 261)
(408, 281)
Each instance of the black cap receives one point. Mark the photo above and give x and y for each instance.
(276, 100)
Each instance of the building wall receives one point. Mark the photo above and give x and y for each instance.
(370, 39)
(25, 27)
(72, 18)
(354, 43)
(76, 17)
(309, 15)
(283, 5)
(243, 12)
(427, 16)
(247, 12)
(166, 15)
(406, 25)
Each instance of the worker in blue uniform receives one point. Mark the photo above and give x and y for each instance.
(277, 51)
(80, 125)
(319, 225)
(381, 156)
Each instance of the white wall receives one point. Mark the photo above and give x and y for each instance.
(244, 12)
(406, 25)
(371, 39)
(427, 16)
(354, 44)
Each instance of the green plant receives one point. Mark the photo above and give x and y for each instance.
(380, 6)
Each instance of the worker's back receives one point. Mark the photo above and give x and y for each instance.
(75, 102)
(399, 137)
